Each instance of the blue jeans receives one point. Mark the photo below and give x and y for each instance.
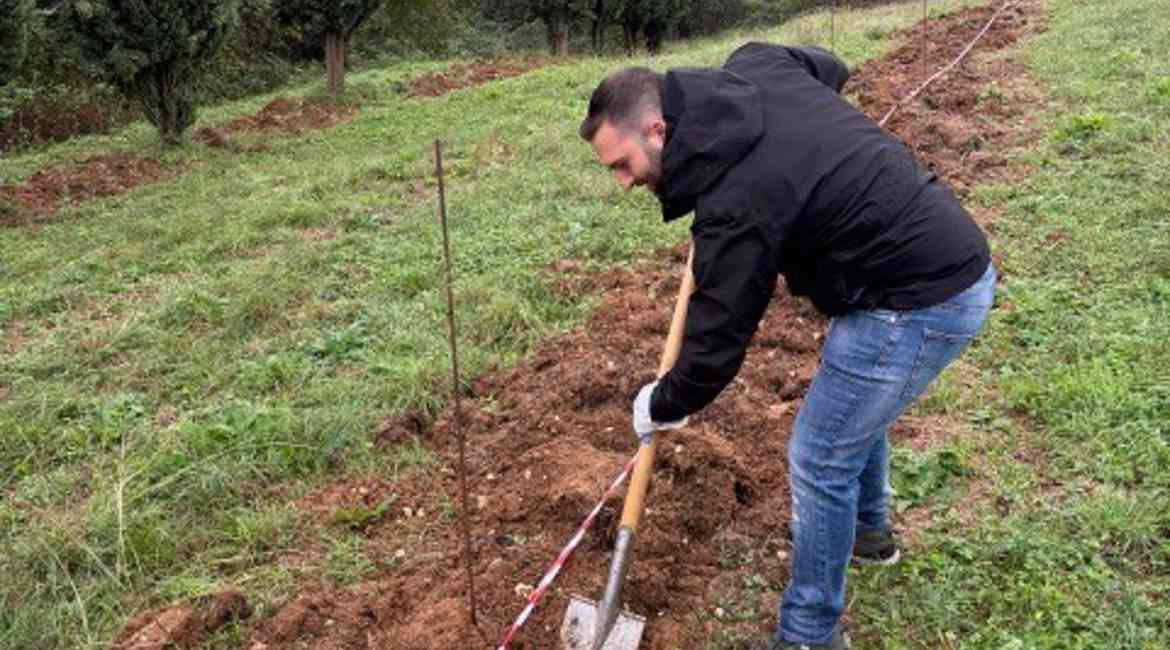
(874, 364)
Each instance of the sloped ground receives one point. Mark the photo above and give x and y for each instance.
(37, 199)
(546, 438)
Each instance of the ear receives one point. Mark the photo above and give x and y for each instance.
(656, 131)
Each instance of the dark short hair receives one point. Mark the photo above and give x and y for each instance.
(621, 98)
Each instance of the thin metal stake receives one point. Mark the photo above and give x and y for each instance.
(925, 37)
(833, 27)
(464, 509)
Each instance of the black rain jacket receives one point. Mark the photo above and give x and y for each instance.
(786, 176)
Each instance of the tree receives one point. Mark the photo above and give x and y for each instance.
(703, 18)
(153, 51)
(629, 14)
(15, 18)
(652, 18)
(558, 17)
(336, 21)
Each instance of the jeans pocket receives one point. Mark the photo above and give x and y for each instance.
(937, 352)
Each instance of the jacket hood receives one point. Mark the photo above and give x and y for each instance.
(714, 118)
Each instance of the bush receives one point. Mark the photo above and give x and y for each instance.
(704, 18)
(426, 27)
(57, 112)
(256, 57)
(16, 17)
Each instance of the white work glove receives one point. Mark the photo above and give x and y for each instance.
(644, 427)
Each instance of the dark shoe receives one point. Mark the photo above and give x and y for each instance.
(876, 547)
(838, 642)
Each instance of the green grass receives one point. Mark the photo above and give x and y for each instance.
(182, 362)
(1067, 543)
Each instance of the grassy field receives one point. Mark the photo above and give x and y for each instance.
(181, 362)
(1061, 539)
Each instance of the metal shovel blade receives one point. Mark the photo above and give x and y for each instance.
(581, 621)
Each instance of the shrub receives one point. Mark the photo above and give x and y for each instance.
(153, 52)
(15, 18)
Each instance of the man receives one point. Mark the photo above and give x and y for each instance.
(786, 177)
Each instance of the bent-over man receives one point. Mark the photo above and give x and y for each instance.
(785, 177)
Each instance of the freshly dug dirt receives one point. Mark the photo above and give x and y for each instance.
(965, 124)
(463, 75)
(184, 626)
(291, 116)
(547, 437)
(37, 198)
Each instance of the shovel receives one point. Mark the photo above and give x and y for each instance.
(587, 625)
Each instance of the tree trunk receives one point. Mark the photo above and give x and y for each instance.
(167, 105)
(631, 38)
(631, 25)
(654, 36)
(557, 24)
(597, 34)
(335, 63)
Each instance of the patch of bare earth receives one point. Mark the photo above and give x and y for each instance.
(464, 75)
(546, 437)
(37, 199)
(968, 124)
(282, 115)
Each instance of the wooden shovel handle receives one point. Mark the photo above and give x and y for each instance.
(636, 496)
(674, 337)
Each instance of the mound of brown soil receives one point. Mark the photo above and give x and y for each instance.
(38, 197)
(291, 116)
(463, 75)
(546, 438)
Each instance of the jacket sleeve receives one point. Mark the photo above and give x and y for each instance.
(735, 275)
(822, 65)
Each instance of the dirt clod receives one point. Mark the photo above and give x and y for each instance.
(183, 626)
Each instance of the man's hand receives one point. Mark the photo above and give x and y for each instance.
(645, 427)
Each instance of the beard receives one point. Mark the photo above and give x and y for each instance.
(652, 179)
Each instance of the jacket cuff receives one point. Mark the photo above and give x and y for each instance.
(664, 405)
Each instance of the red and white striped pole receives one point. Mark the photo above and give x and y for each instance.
(559, 563)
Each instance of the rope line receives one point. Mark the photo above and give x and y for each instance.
(967, 50)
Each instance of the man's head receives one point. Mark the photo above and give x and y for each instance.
(626, 127)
